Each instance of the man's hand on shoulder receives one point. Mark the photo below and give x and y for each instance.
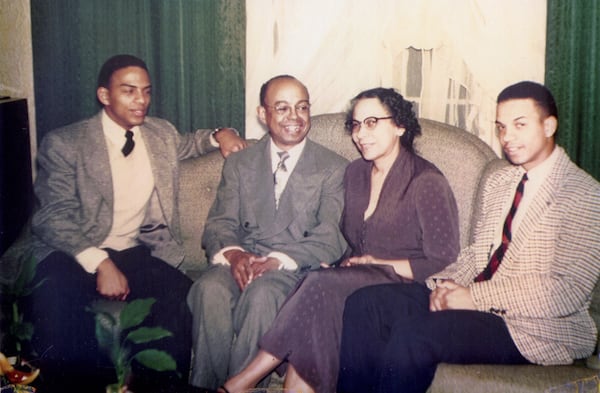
(229, 141)
(110, 281)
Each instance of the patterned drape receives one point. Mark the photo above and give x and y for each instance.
(195, 51)
(450, 57)
(573, 75)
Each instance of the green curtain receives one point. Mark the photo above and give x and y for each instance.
(573, 75)
(194, 50)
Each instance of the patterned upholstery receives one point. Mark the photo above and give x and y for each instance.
(466, 161)
(463, 158)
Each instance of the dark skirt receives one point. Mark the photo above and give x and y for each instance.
(307, 330)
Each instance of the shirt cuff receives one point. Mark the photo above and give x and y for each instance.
(213, 140)
(219, 258)
(285, 262)
(91, 258)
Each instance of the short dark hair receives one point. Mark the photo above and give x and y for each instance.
(265, 86)
(116, 63)
(400, 110)
(539, 93)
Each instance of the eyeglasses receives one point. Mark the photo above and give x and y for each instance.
(370, 123)
(284, 109)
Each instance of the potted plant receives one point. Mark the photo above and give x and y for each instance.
(16, 379)
(16, 331)
(117, 330)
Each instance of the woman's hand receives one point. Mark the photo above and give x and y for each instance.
(359, 260)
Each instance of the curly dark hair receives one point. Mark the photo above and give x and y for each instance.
(399, 109)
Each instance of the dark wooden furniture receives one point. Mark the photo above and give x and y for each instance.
(16, 189)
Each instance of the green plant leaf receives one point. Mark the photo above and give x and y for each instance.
(120, 359)
(146, 334)
(29, 289)
(16, 330)
(18, 287)
(107, 330)
(108, 320)
(135, 312)
(115, 318)
(25, 276)
(22, 331)
(156, 360)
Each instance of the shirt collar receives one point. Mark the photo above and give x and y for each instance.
(294, 153)
(114, 132)
(543, 170)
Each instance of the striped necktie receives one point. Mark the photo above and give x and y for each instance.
(278, 175)
(497, 256)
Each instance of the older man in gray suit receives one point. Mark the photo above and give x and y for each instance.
(108, 227)
(275, 217)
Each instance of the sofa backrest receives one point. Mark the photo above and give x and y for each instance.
(198, 181)
(463, 158)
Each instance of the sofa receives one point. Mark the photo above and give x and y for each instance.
(466, 161)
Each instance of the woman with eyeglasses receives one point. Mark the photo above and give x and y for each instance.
(401, 223)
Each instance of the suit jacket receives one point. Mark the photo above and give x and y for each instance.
(306, 224)
(74, 187)
(543, 286)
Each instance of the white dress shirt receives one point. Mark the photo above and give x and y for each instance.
(535, 178)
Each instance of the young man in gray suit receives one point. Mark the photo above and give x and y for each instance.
(107, 227)
(275, 216)
(518, 294)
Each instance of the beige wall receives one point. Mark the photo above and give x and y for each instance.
(340, 47)
(16, 59)
(287, 36)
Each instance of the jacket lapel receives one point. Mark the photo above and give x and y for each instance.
(301, 186)
(495, 214)
(258, 182)
(162, 168)
(95, 157)
(544, 199)
(304, 181)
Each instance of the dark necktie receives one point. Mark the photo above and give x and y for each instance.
(496, 258)
(283, 155)
(129, 143)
